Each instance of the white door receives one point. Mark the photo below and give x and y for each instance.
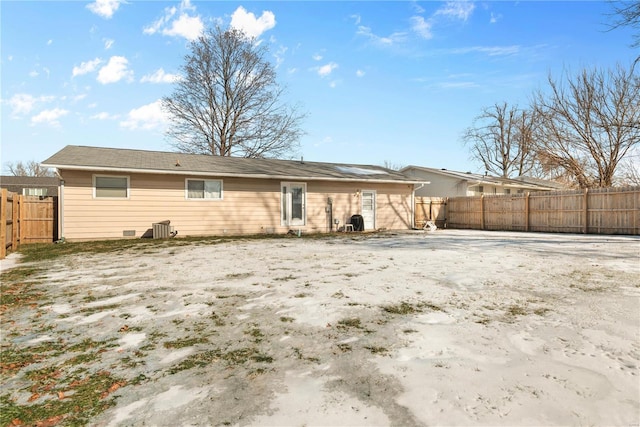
(369, 209)
(293, 203)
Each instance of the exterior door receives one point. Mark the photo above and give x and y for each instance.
(369, 209)
(293, 204)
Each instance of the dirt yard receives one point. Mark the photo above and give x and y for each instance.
(451, 328)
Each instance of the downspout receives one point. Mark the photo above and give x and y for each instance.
(60, 208)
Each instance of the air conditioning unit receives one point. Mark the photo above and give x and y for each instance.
(162, 230)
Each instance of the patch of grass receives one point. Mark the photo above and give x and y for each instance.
(349, 323)
(238, 275)
(402, 308)
(185, 342)
(75, 402)
(516, 310)
(344, 347)
(287, 319)
(98, 308)
(301, 295)
(19, 274)
(285, 278)
(377, 350)
(217, 320)
(541, 311)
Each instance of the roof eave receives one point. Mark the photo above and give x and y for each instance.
(227, 175)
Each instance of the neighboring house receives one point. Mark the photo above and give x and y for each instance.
(115, 193)
(30, 185)
(447, 183)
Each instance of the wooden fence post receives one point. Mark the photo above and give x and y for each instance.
(526, 212)
(15, 238)
(482, 212)
(3, 223)
(586, 211)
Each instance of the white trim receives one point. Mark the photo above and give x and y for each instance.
(93, 182)
(204, 199)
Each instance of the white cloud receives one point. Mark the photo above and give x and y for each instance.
(23, 103)
(185, 25)
(489, 50)
(160, 77)
(49, 117)
(457, 9)
(422, 27)
(49, 42)
(249, 24)
(360, 73)
(86, 67)
(327, 69)
(115, 70)
(317, 57)
(494, 18)
(33, 73)
(104, 8)
(390, 40)
(189, 27)
(147, 117)
(356, 19)
(103, 116)
(280, 55)
(108, 43)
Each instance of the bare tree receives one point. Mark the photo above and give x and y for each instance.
(501, 139)
(30, 168)
(630, 170)
(627, 14)
(392, 166)
(588, 122)
(228, 103)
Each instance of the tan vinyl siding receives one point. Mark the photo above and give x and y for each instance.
(248, 206)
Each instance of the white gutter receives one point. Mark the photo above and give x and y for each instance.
(228, 175)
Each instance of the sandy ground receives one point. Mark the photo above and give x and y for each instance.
(446, 328)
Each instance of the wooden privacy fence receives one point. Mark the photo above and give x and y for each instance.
(430, 209)
(26, 219)
(595, 211)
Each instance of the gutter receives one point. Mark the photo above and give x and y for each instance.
(227, 175)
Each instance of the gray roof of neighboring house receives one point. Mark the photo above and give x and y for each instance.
(127, 160)
(475, 178)
(15, 184)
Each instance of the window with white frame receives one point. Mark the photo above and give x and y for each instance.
(111, 187)
(208, 189)
(34, 191)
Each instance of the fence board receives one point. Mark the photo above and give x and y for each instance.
(26, 219)
(430, 209)
(597, 211)
(37, 219)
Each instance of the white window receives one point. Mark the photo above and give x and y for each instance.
(293, 201)
(34, 191)
(111, 187)
(210, 189)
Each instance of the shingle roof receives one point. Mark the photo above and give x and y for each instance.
(475, 178)
(127, 160)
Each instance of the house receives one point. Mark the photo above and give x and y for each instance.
(109, 193)
(30, 185)
(448, 183)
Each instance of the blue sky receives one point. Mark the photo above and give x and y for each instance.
(394, 82)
